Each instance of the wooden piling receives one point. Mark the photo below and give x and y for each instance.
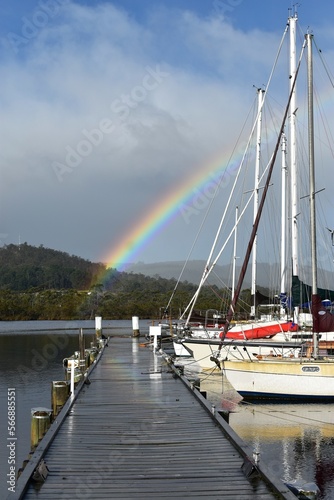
(59, 394)
(40, 422)
(93, 352)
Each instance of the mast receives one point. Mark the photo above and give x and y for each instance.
(234, 251)
(309, 39)
(293, 156)
(260, 94)
(231, 310)
(283, 223)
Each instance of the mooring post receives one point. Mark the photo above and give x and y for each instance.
(59, 395)
(71, 364)
(40, 422)
(155, 332)
(82, 361)
(98, 329)
(135, 326)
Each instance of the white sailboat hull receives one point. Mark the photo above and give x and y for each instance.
(202, 350)
(240, 331)
(282, 344)
(180, 350)
(289, 379)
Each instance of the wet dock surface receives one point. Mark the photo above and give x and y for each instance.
(137, 431)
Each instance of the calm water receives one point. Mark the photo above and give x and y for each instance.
(295, 441)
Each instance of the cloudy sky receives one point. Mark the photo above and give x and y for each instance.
(110, 111)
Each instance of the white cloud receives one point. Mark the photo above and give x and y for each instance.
(125, 110)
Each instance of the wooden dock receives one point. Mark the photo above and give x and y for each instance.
(138, 430)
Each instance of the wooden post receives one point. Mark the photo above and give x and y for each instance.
(59, 395)
(135, 326)
(40, 422)
(92, 353)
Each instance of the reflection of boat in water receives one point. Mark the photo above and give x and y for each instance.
(268, 422)
(295, 440)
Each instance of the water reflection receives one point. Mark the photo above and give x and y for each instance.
(29, 363)
(295, 440)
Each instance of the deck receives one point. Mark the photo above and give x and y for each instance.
(139, 431)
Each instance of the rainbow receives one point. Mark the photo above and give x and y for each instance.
(158, 217)
(216, 171)
(168, 208)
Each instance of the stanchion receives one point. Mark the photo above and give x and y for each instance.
(98, 329)
(135, 326)
(82, 360)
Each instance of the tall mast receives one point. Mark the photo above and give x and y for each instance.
(231, 310)
(309, 39)
(260, 94)
(234, 251)
(283, 222)
(293, 155)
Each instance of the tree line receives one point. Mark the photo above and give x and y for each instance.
(38, 283)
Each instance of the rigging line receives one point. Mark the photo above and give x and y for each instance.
(263, 198)
(324, 64)
(206, 215)
(209, 269)
(215, 292)
(213, 371)
(206, 269)
(325, 125)
(201, 359)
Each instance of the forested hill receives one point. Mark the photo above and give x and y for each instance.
(38, 283)
(23, 267)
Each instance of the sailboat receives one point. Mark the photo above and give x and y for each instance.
(295, 378)
(201, 341)
(252, 329)
(283, 342)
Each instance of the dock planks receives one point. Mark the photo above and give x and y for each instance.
(137, 432)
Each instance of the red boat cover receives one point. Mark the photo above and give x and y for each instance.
(323, 320)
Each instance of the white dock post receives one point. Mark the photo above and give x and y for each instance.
(82, 361)
(135, 326)
(98, 328)
(155, 332)
(72, 363)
